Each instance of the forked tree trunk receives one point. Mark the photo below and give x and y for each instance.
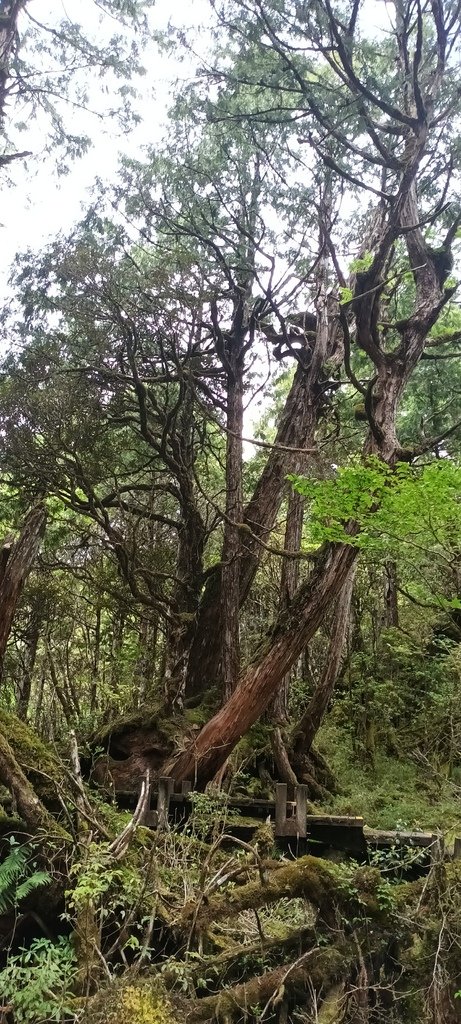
(296, 430)
(257, 686)
(16, 561)
(293, 630)
(294, 441)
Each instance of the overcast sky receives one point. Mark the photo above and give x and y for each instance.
(39, 204)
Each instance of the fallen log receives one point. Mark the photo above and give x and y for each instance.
(314, 972)
(309, 877)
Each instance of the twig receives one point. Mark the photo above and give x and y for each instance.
(120, 844)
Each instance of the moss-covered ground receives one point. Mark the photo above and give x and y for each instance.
(393, 792)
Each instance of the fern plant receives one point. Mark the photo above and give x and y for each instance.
(19, 876)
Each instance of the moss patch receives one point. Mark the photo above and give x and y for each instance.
(132, 1001)
(394, 793)
(37, 761)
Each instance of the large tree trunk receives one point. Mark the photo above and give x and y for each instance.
(308, 726)
(294, 441)
(230, 571)
(289, 579)
(257, 686)
(16, 561)
(294, 432)
(33, 636)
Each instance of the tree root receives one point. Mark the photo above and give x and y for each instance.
(30, 807)
(309, 877)
(312, 972)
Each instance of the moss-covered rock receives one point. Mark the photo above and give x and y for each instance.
(37, 761)
(134, 1000)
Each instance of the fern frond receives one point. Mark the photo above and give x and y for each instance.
(35, 881)
(13, 867)
(15, 880)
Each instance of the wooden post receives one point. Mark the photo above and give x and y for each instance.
(437, 849)
(186, 788)
(457, 849)
(295, 826)
(301, 810)
(281, 791)
(165, 789)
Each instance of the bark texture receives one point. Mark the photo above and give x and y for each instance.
(257, 686)
(30, 807)
(16, 561)
(295, 431)
(309, 724)
(316, 970)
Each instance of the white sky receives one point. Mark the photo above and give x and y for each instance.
(39, 204)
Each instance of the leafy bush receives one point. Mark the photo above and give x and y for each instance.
(37, 981)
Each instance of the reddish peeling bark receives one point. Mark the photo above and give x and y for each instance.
(309, 724)
(392, 371)
(294, 431)
(294, 440)
(291, 633)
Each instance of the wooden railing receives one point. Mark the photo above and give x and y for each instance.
(291, 822)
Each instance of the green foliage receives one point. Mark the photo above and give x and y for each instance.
(393, 509)
(361, 264)
(37, 982)
(390, 791)
(53, 52)
(345, 295)
(19, 876)
(209, 814)
(113, 888)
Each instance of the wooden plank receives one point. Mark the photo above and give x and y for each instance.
(301, 811)
(165, 790)
(281, 791)
(331, 819)
(384, 838)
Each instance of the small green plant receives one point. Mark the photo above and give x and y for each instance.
(398, 858)
(210, 812)
(37, 982)
(385, 895)
(345, 296)
(19, 875)
(362, 263)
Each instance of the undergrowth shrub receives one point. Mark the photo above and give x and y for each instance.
(37, 981)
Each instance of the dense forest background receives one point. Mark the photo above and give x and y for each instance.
(230, 401)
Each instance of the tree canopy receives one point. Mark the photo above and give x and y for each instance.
(230, 469)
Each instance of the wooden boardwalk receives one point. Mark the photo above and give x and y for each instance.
(294, 828)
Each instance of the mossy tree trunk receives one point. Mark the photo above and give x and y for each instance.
(16, 561)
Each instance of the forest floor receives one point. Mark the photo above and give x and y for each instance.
(391, 792)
